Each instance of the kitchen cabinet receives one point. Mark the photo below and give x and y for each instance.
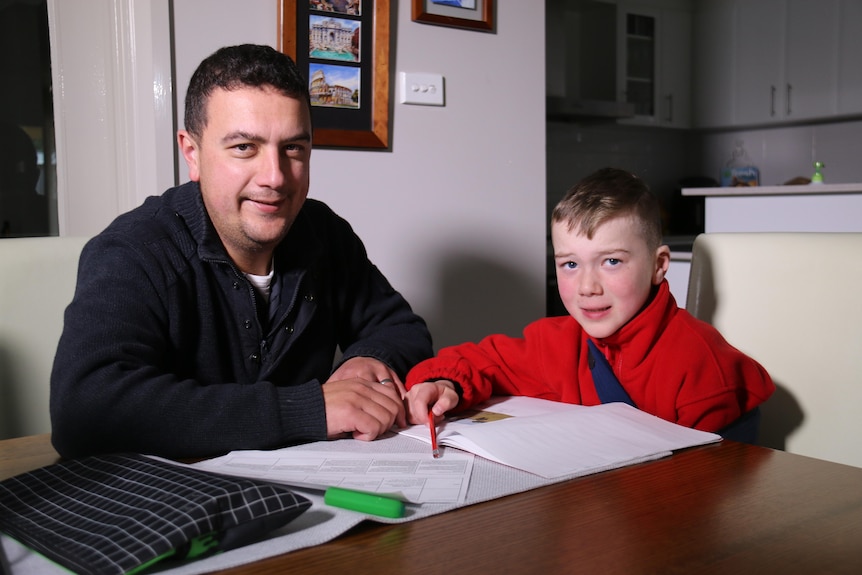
(849, 49)
(781, 61)
(581, 61)
(675, 69)
(758, 55)
(811, 59)
(713, 72)
(787, 60)
(654, 61)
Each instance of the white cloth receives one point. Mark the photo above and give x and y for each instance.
(321, 523)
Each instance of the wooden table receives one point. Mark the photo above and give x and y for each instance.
(723, 508)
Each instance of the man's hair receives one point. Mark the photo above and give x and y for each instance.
(234, 67)
(609, 193)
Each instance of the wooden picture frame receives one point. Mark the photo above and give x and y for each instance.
(329, 37)
(479, 15)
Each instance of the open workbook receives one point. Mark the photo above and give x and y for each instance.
(555, 440)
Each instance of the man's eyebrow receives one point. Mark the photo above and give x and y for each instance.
(248, 136)
(300, 137)
(240, 135)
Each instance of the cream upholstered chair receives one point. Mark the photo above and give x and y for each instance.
(37, 281)
(792, 301)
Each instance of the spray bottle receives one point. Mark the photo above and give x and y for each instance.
(817, 178)
(739, 170)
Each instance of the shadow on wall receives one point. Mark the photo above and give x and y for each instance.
(780, 415)
(478, 297)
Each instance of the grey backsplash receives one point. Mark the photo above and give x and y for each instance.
(660, 156)
(663, 156)
(782, 153)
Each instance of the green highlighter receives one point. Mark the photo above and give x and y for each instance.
(364, 502)
(196, 547)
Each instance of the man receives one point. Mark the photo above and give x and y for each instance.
(206, 319)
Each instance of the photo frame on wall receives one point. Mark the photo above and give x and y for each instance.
(343, 48)
(470, 14)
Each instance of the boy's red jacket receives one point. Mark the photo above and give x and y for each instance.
(671, 364)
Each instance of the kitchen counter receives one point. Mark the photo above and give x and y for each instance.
(809, 208)
(810, 189)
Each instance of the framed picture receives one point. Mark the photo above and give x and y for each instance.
(343, 48)
(471, 14)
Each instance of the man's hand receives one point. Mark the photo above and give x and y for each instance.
(435, 396)
(363, 397)
(369, 369)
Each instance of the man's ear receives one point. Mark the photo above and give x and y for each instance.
(190, 150)
(662, 263)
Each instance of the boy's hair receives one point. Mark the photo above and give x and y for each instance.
(234, 67)
(606, 194)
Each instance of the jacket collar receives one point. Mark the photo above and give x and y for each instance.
(640, 334)
(300, 246)
(186, 200)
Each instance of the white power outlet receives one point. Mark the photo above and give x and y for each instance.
(423, 89)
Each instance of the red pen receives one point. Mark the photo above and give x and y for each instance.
(434, 450)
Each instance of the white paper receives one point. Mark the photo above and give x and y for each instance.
(553, 439)
(411, 477)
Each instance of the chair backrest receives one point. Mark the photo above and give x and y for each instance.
(793, 302)
(37, 282)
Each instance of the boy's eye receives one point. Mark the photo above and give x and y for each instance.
(613, 261)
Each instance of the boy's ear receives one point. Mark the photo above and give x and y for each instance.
(662, 263)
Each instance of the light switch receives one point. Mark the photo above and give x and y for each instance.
(423, 89)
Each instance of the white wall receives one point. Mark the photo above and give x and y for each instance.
(453, 213)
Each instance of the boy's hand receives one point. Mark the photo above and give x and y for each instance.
(437, 396)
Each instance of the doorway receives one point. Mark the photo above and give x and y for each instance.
(28, 175)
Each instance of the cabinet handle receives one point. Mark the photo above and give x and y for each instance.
(789, 93)
(669, 117)
(772, 101)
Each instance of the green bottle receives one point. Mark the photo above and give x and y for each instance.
(817, 178)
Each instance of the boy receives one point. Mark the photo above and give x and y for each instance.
(625, 338)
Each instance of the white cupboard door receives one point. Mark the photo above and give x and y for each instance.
(849, 51)
(759, 61)
(810, 83)
(674, 106)
(713, 70)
